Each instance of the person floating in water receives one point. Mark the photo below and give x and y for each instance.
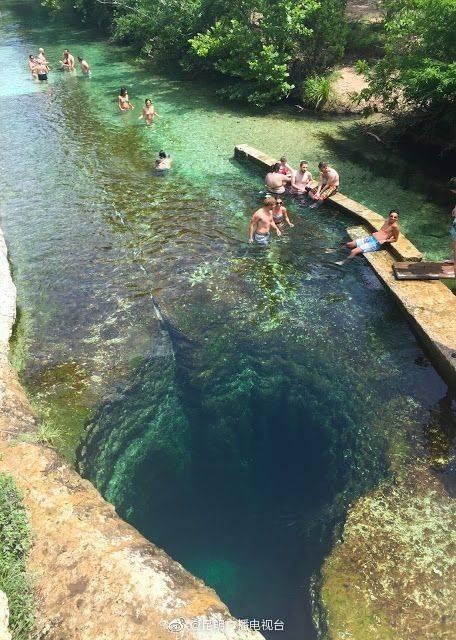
(301, 179)
(261, 223)
(275, 181)
(67, 61)
(84, 67)
(280, 213)
(327, 185)
(32, 65)
(163, 162)
(388, 234)
(148, 112)
(123, 102)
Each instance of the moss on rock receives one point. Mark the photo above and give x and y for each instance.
(393, 574)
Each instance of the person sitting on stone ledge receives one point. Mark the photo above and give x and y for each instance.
(327, 185)
(301, 179)
(275, 181)
(285, 168)
(388, 234)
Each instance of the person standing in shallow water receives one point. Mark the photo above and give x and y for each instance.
(261, 223)
(33, 65)
(84, 67)
(123, 100)
(280, 213)
(41, 57)
(275, 181)
(148, 112)
(67, 61)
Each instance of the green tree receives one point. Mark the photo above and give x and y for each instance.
(263, 48)
(417, 75)
(269, 46)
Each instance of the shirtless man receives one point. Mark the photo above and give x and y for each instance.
(84, 67)
(388, 234)
(67, 61)
(41, 57)
(148, 112)
(280, 213)
(275, 181)
(261, 223)
(163, 162)
(42, 71)
(301, 179)
(327, 185)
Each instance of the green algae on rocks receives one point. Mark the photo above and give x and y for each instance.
(393, 574)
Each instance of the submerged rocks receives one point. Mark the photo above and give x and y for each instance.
(393, 574)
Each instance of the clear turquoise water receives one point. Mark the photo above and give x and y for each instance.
(235, 433)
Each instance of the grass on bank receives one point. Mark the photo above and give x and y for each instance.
(15, 539)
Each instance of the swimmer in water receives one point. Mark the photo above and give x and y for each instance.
(84, 67)
(41, 57)
(123, 102)
(42, 71)
(163, 162)
(148, 112)
(262, 222)
(67, 61)
(280, 213)
(32, 65)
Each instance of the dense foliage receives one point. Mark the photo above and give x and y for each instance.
(264, 49)
(417, 75)
(14, 546)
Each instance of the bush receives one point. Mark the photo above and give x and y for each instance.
(417, 75)
(264, 49)
(14, 547)
(317, 90)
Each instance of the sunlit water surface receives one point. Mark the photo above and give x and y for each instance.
(235, 432)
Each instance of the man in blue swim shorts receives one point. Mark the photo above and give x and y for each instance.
(262, 222)
(388, 234)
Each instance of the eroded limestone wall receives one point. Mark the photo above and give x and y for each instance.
(95, 576)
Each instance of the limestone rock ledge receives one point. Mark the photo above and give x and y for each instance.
(4, 617)
(95, 577)
(393, 575)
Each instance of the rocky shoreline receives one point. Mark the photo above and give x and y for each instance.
(95, 577)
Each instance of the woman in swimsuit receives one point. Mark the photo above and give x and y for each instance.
(148, 112)
(84, 67)
(124, 101)
(280, 213)
(33, 65)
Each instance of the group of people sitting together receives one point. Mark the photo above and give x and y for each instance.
(282, 179)
(40, 68)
